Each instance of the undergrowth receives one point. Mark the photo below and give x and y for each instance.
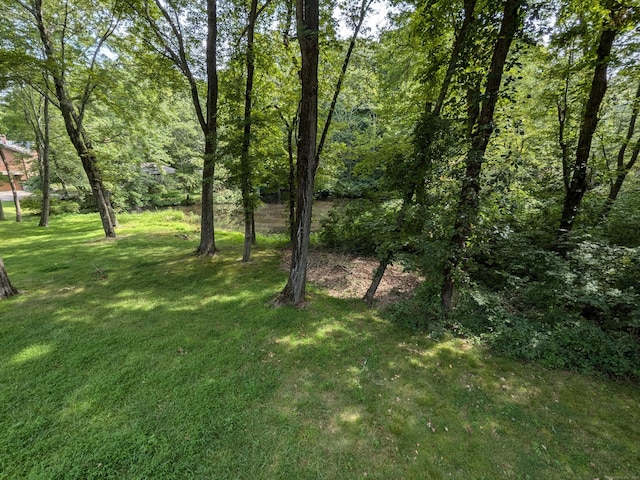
(133, 359)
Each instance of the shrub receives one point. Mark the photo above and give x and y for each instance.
(57, 206)
(623, 220)
(358, 227)
(580, 313)
(422, 312)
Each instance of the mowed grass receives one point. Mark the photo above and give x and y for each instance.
(134, 359)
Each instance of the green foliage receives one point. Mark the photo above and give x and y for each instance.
(132, 358)
(358, 226)
(422, 312)
(33, 204)
(621, 226)
(581, 312)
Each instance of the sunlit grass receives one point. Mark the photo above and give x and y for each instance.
(133, 358)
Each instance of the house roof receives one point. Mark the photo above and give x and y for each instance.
(151, 168)
(9, 145)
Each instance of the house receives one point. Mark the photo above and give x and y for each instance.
(155, 171)
(20, 160)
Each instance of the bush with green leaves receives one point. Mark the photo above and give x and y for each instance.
(58, 206)
(581, 312)
(358, 227)
(622, 223)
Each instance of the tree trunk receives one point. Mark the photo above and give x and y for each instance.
(6, 289)
(623, 169)
(578, 184)
(12, 184)
(469, 7)
(468, 205)
(308, 20)
(75, 129)
(377, 277)
(292, 180)
(41, 130)
(2, 217)
(563, 118)
(207, 233)
(245, 161)
(210, 128)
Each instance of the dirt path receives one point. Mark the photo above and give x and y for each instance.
(349, 276)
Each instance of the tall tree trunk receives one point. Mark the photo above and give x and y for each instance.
(377, 277)
(563, 118)
(623, 169)
(469, 7)
(2, 217)
(292, 185)
(75, 129)
(468, 205)
(364, 7)
(40, 125)
(245, 162)
(578, 184)
(6, 289)
(308, 22)
(210, 128)
(12, 184)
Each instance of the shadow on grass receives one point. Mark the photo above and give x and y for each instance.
(135, 359)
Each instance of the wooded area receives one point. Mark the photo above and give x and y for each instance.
(490, 146)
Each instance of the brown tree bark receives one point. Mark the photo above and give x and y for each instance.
(209, 125)
(74, 123)
(308, 22)
(37, 115)
(578, 184)
(6, 289)
(16, 199)
(468, 205)
(44, 149)
(458, 43)
(622, 168)
(245, 161)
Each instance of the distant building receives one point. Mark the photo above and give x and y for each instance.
(157, 172)
(21, 161)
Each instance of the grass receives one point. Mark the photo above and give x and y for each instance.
(134, 359)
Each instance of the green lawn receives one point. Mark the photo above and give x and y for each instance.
(132, 358)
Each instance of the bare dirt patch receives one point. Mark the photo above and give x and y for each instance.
(349, 276)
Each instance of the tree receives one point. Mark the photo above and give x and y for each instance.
(178, 43)
(429, 130)
(6, 289)
(16, 199)
(613, 24)
(248, 201)
(309, 151)
(623, 167)
(36, 112)
(64, 70)
(468, 205)
(308, 23)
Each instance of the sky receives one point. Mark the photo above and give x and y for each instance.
(375, 20)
